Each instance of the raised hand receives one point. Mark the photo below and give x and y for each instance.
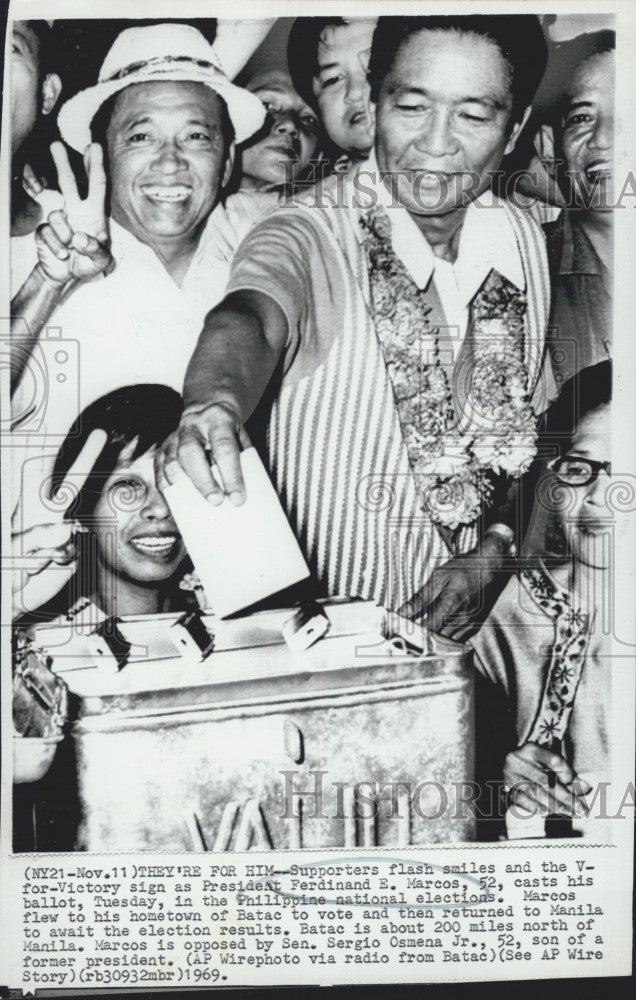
(44, 555)
(74, 243)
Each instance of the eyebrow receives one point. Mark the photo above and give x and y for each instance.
(271, 88)
(579, 104)
(146, 119)
(26, 36)
(491, 102)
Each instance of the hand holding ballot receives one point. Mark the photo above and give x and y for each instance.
(215, 429)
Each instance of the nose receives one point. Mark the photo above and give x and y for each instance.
(155, 507)
(602, 137)
(436, 137)
(169, 159)
(356, 86)
(595, 495)
(286, 124)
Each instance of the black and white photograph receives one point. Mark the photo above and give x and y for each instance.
(314, 529)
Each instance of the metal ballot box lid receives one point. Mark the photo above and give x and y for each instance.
(352, 741)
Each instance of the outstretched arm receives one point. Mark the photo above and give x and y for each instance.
(241, 344)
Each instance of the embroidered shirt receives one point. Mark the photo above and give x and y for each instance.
(547, 655)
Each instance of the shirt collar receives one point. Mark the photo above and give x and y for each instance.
(578, 255)
(487, 239)
(125, 244)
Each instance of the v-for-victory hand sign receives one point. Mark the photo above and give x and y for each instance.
(74, 243)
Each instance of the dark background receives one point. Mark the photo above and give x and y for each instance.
(81, 46)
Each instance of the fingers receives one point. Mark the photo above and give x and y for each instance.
(81, 468)
(36, 590)
(436, 614)
(216, 430)
(424, 600)
(65, 175)
(94, 163)
(43, 537)
(165, 462)
(97, 253)
(59, 224)
(45, 235)
(226, 452)
(192, 458)
(31, 182)
(546, 779)
(60, 556)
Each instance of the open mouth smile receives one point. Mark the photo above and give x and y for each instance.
(158, 546)
(167, 193)
(597, 169)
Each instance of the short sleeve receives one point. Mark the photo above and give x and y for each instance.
(292, 257)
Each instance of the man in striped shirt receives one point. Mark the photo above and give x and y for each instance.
(364, 315)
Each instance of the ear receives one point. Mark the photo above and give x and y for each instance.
(229, 165)
(517, 130)
(51, 90)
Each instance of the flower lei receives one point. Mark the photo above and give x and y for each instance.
(453, 456)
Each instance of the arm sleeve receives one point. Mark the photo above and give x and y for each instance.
(290, 257)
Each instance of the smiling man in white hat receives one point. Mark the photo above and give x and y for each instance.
(157, 132)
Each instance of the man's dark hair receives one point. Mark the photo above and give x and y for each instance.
(596, 44)
(518, 37)
(302, 52)
(145, 413)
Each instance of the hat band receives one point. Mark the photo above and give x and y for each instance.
(155, 61)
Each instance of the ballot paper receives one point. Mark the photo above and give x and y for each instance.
(241, 554)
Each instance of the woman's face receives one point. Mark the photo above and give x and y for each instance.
(136, 535)
(584, 516)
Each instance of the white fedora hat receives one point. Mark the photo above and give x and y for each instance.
(158, 52)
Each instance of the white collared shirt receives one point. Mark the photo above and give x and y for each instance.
(487, 241)
(136, 325)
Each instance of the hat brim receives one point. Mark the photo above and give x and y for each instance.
(246, 112)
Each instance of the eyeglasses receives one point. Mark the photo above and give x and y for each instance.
(579, 471)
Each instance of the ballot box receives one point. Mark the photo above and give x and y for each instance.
(246, 743)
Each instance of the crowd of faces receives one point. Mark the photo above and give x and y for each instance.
(443, 121)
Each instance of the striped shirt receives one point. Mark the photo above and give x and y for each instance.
(336, 451)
